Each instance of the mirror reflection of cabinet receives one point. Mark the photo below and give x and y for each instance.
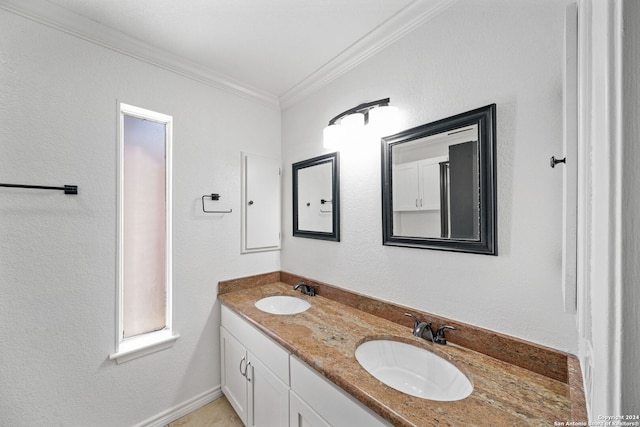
(416, 185)
(260, 203)
(438, 184)
(417, 198)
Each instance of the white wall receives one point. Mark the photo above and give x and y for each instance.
(472, 54)
(58, 121)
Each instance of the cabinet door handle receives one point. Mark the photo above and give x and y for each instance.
(250, 202)
(416, 203)
(246, 371)
(244, 374)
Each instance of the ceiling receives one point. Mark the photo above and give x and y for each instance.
(276, 48)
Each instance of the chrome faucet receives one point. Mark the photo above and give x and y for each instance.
(306, 289)
(423, 330)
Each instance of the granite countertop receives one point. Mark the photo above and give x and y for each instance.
(326, 335)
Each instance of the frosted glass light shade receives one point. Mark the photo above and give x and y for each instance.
(353, 126)
(383, 120)
(353, 123)
(333, 137)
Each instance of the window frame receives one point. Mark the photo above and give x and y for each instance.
(150, 342)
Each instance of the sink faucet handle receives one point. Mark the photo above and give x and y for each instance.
(415, 320)
(306, 289)
(440, 338)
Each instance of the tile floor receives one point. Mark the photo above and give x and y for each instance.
(218, 413)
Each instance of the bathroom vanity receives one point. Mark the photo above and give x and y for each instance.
(301, 369)
(267, 385)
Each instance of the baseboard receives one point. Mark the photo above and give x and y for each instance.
(182, 409)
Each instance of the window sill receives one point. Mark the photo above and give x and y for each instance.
(141, 346)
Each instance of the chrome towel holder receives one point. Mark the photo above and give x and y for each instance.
(215, 197)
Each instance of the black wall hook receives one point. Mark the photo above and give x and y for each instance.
(553, 161)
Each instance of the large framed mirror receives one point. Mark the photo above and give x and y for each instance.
(439, 184)
(316, 198)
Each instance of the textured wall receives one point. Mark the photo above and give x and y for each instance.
(472, 54)
(58, 119)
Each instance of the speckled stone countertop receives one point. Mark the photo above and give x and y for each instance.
(327, 334)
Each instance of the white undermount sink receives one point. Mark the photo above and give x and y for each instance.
(413, 370)
(282, 304)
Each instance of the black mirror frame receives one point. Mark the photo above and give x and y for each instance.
(334, 159)
(485, 118)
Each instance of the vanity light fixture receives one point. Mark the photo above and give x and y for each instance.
(370, 119)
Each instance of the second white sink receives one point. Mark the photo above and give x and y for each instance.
(282, 304)
(413, 370)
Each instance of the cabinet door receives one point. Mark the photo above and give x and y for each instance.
(429, 186)
(261, 203)
(268, 396)
(338, 408)
(234, 384)
(405, 187)
(301, 414)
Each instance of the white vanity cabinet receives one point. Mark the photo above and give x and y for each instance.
(256, 387)
(268, 387)
(323, 403)
(303, 415)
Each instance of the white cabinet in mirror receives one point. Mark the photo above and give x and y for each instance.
(430, 201)
(438, 184)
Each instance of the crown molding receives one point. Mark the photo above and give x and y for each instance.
(408, 19)
(79, 26)
(396, 27)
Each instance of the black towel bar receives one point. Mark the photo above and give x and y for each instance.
(68, 189)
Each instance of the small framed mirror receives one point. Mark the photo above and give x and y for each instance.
(316, 198)
(439, 184)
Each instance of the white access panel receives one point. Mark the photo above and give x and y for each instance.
(261, 197)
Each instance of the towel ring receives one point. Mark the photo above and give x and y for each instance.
(215, 197)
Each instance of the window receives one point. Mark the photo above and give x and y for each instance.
(144, 233)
